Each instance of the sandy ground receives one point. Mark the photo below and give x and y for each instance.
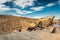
(33, 35)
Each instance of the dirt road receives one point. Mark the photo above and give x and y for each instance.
(33, 35)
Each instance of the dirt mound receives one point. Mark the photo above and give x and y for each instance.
(13, 23)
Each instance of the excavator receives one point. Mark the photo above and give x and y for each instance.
(43, 23)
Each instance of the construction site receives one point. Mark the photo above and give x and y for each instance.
(22, 28)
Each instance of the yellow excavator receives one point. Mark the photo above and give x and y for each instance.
(44, 23)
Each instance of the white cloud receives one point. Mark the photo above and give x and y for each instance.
(14, 14)
(38, 8)
(36, 17)
(3, 7)
(50, 4)
(41, 16)
(24, 3)
(18, 11)
(59, 2)
(3, 1)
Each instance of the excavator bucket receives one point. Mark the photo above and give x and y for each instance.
(52, 29)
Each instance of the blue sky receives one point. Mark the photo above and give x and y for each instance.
(30, 8)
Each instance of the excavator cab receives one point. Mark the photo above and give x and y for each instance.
(40, 25)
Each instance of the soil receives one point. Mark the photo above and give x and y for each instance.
(33, 35)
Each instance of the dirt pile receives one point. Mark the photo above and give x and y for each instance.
(13, 23)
